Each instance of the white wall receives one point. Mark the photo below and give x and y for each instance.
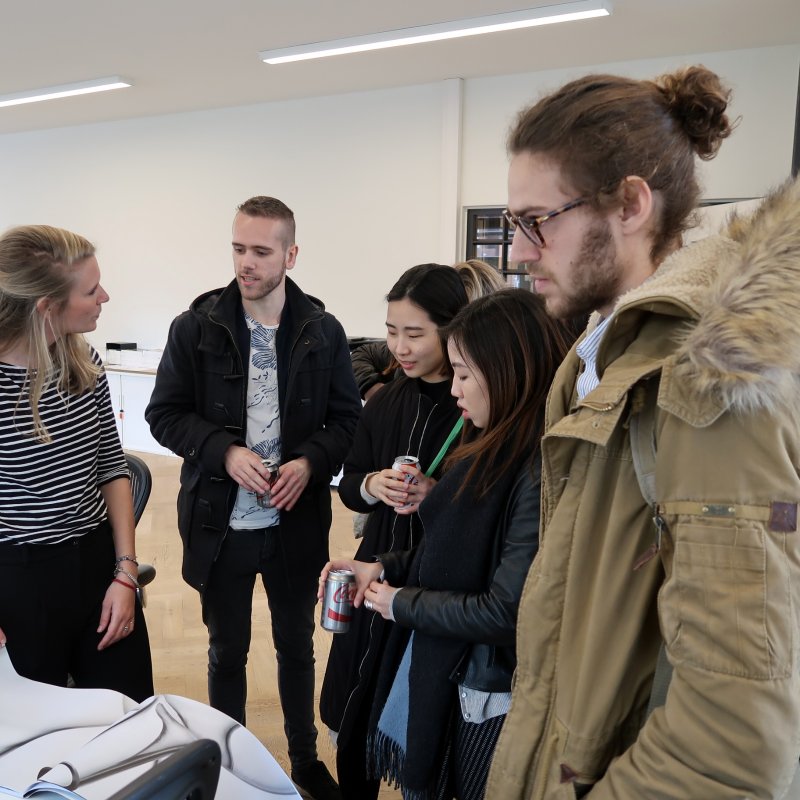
(157, 196)
(758, 154)
(368, 176)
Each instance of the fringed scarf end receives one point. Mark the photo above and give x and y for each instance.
(385, 763)
(386, 759)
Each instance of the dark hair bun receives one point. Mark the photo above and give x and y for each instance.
(698, 100)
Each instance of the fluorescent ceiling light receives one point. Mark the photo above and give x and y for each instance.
(545, 15)
(67, 90)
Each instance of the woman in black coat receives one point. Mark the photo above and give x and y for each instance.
(414, 415)
(444, 682)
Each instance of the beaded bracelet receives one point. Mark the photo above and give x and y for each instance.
(132, 559)
(120, 571)
(124, 583)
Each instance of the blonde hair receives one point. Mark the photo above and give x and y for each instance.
(479, 278)
(36, 262)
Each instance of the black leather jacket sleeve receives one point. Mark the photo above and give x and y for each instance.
(369, 361)
(489, 616)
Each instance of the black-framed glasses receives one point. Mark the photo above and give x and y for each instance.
(531, 226)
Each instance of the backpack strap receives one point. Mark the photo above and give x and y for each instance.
(643, 438)
(643, 450)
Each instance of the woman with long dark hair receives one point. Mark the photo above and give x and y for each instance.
(414, 415)
(445, 679)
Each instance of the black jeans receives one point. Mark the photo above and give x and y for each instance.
(50, 601)
(227, 610)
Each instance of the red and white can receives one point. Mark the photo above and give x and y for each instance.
(263, 500)
(407, 461)
(337, 600)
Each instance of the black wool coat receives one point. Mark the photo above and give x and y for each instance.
(198, 410)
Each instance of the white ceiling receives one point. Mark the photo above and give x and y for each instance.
(186, 55)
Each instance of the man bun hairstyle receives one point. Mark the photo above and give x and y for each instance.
(601, 129)
(697, 99)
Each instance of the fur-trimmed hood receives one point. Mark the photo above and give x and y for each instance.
(740, 294)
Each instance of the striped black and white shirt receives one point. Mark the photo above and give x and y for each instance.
(50, 491)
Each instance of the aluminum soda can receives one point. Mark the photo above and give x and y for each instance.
(272, 465)
(337, 600)
(408, 461)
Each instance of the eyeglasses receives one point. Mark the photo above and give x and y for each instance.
(531, 226)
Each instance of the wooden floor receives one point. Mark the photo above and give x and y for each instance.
(178, 637)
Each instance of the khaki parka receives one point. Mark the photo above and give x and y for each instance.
(718, 325)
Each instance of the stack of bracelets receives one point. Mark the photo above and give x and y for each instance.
(119, 570)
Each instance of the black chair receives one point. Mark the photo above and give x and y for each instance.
(141, 484)
(191, 773)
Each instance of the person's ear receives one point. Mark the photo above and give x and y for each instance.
(44, 305)
(291, 256)
(638, 205)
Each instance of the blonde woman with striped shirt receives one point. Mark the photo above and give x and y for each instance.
(68, 566)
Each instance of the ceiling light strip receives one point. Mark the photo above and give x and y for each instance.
(514, 20)
(65, 90)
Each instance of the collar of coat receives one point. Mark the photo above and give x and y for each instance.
(226, 302)
(739, 295)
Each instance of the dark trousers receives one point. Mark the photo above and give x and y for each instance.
(351, 755)
(50, 601)
(227, 610)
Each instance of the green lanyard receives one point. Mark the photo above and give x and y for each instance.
(447, 442)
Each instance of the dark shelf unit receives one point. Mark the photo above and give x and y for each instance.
(489, 239)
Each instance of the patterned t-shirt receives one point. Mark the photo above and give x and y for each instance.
(263, 421)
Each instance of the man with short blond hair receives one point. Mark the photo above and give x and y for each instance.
(254, 373)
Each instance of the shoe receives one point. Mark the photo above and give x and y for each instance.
(314, 782)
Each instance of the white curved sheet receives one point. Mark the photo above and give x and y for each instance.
(95, 741)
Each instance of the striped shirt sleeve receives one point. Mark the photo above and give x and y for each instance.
(50, 491)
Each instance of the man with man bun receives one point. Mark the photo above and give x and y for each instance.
(671, 461)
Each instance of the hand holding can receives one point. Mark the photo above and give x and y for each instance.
(272, 465)
(337, 600)
(407, 461)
